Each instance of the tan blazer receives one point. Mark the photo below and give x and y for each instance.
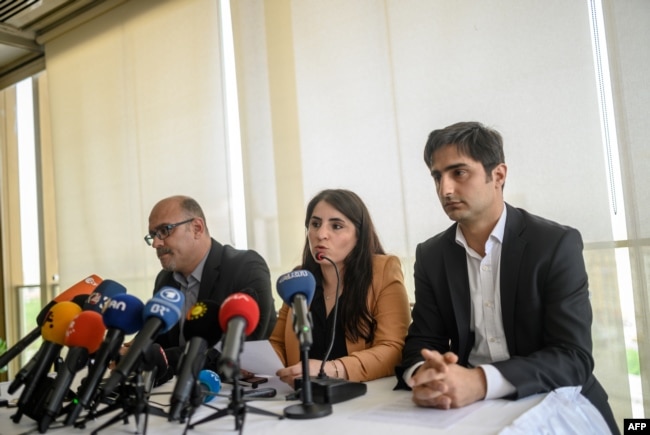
(389, 306)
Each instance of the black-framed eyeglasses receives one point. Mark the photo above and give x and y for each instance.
(163, 232)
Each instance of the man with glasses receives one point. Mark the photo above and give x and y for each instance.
(203, 269)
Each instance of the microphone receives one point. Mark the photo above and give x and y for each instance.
(85, 286)
(122, 316)
(80, 300)
(209, 385)
(297, 289)
(24, 372)
(53, 331)
(238, 316)
(104, 292)
(83, 337)
(160, 314)
(152, 363)
(200, 334)
(206, 388)
(333, 390)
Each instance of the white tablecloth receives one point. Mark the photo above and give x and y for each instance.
(380, 411)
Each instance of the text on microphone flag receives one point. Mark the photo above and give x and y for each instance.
(294, 274)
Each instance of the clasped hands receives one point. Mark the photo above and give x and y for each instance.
(441, 383)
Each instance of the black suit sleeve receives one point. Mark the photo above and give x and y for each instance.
(254, 278)
(431, 313)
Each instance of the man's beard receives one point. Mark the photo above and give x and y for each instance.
(166, 262)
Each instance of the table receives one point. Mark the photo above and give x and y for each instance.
(380, 411)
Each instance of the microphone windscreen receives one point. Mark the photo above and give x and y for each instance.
(201, 321)
(124, 312)
(57, 320)
(80, 300)
(103, 294)
(85, 286)
(166, 305)
(240, 305)
(155, 357)
(210, 382)
(296, 282)
(41, 315)
(86, 330)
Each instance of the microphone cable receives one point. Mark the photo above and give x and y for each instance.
(321, 373)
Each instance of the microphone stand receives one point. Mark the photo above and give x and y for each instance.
(87, 393)
(133, 398)
(237, 408)
(196, 397)
(307, 409)
(334, 390)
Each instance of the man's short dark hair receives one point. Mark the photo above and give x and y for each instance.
(472, 139)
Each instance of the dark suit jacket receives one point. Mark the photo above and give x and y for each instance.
(227, 270)
(545, 307)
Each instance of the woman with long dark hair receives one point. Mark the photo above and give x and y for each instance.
(343, 252)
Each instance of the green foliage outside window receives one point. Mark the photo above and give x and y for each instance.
(633, 367)
(3, 349)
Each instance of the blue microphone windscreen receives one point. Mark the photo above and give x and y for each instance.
(166, 305)
(102, 294)
(296, 282)
(124, 312)
(211, 382)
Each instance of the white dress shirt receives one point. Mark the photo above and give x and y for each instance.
(485, 319)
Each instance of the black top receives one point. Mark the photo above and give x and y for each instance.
(322, 330)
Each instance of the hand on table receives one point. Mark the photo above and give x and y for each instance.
(441, 383)
(289, 374)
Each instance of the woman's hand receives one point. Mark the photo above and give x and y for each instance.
(289, 374)
(122, 351)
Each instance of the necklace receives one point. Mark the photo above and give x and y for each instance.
(331, 295)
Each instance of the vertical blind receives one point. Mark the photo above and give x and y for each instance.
(137, 115)
(628, 37)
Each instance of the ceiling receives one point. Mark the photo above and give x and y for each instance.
(25, 25)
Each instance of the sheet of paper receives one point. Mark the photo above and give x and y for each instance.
(402, 411)
(260, 358)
